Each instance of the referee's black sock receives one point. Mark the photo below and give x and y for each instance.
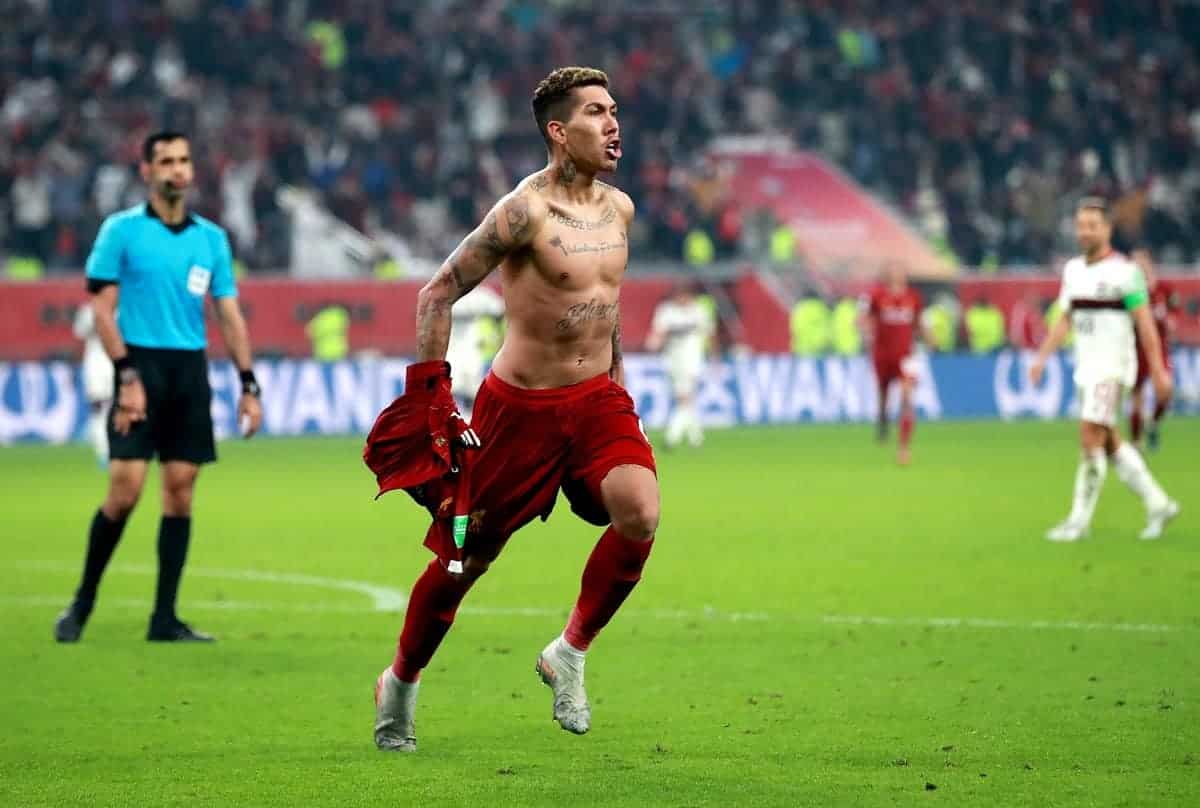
(103, 537)
(174, 533)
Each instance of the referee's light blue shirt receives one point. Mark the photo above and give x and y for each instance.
(164, 273)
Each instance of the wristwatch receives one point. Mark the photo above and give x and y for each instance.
(250, 384)
(126, 372)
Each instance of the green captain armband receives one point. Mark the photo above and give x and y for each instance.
(1135, 299)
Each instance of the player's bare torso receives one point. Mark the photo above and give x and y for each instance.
(561, 291)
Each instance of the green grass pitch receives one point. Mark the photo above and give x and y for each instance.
(816, 627)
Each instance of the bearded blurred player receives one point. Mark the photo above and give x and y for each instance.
(551, 414)
(891, 313)
(1164, 303)
(681, 328)
(1103, 297)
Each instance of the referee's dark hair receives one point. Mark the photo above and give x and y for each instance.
(152, 140)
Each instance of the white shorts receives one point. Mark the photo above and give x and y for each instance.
(98, 380)
(1100, 402)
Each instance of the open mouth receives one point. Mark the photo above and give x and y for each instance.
(613, 150)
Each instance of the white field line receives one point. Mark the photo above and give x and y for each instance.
(384, 598)
(388, 599)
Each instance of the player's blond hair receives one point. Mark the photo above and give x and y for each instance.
(553, 99)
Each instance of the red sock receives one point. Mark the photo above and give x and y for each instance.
(907, 422)
(612, 571)
(428, 616)
(1160, 409)
(1135, 426)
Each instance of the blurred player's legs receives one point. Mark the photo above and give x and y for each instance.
(685, 420)
(1089, 479)
(904, 371)
(98, 384)
(1137, 421)
(1132, 470)
(1099, 406)
(97, 430)
(881, 423)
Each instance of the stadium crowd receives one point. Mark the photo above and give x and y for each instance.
(981, 121)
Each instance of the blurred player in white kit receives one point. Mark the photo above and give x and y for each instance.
(1104, 299)
(473, 341)
(98, 378)
(681, 330)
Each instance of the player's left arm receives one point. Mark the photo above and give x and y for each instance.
(236, 337)
(616, 371)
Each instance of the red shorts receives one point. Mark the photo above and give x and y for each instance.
(1143, 371)
(534, 443)
(890, 368)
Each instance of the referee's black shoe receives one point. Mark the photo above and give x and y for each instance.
(69, 625)
(175, 630)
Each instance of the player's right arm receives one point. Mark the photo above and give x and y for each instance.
(658, 332)
(1057, 334)
(103, 279)
(508, 227)
(868, 309)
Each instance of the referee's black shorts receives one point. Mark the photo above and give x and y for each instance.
(178, 423)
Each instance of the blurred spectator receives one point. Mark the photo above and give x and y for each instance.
(981, 122)
(985, 327)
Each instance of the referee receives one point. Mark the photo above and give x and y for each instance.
(148, 274)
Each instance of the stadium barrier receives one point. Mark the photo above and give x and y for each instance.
(44, 401)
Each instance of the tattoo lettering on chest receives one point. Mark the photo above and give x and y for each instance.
(605, 219)
(584, 312)
(587, 246)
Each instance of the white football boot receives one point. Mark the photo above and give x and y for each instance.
(1067, 531)
(395, 705)
(1157, 521)
(561, 667)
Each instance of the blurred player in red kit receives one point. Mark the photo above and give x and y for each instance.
(891, 316)
(552, 414)
(1164, 302)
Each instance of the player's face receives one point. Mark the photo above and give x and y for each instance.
(1092, 231)
(896, 276)
(593, 136)
(169, 172)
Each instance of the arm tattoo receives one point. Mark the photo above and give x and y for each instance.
(491, 238)
(517, 215)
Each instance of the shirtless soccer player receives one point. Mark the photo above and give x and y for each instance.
(551, 414)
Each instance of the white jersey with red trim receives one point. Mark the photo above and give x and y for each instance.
(1099, 297)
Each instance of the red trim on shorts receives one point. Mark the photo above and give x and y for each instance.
(548, 395)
